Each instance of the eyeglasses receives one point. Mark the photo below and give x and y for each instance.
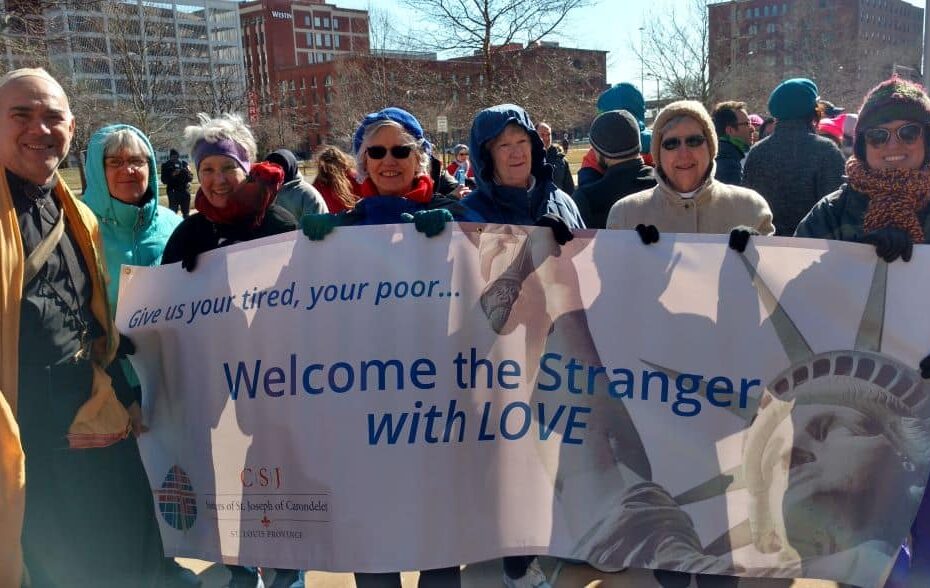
(907, 134)
(692, 141)
(397, 151)
(118, 162)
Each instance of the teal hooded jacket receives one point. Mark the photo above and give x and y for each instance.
(132, 235)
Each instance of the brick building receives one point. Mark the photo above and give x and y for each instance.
(847, 46)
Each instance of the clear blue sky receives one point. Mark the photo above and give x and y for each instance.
(608, 25)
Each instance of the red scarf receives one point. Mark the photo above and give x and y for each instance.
(421, 192)
(249, 202)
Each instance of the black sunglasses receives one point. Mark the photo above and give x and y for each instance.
(907, 134)
(691, 141)
(397, 151)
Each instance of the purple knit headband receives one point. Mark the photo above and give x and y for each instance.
(227, 147)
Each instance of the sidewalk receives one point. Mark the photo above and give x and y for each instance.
(488, 575)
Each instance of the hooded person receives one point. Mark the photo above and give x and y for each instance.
(122, 192)
(794, 167)
(514, 181)
(622, 96)
(297, 196)
(515, 187)
(687, 198)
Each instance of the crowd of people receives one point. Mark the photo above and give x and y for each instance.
(75, 505)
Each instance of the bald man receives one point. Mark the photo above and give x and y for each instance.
(89, 518)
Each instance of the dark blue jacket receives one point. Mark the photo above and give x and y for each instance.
(493, 203)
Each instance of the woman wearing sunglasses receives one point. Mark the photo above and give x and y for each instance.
(884, 200)
(392, 158)
(884, 203)
(687, 198)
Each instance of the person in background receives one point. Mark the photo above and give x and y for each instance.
(461, 168)
(756, 121)
(884, 202)
(615, 137)
(767, 127)
(335, 179)
(735, 133)
(794, 168)
(622, 96)
(392, 157)
(831, 129)
(555, 156)
(296, 195)
(89, 516)
(177, 178)
(236, 203)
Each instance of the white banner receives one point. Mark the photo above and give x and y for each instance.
(487, 393)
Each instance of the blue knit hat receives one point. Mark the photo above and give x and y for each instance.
(398, 115)
(794, 99)
(623, 96)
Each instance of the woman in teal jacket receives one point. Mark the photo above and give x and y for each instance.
(122, 190)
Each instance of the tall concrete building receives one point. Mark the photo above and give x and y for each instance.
(847, 46)
(170, 56)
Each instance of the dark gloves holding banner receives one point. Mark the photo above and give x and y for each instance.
(317, 226)
(890, 243)
(739, 237)
(125, 347)
(648, 234)
(560, 230)
(428, 222)
(925, 368)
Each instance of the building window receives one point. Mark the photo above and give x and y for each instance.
(336, 41)
(328, 81)
(307, 20)
(316, 21)
(309, 39)
(749, 13)
(765, 11)
(319, 39)
(325, 22)
(335, 23)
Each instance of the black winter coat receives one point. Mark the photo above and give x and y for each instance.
(729, 164)
(198, 235)
(595, 199)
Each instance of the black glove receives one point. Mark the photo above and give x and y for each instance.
(125, 347)
(648, 234)
(925, 368)
(891, 243)
(739, 237)
(560, 230)
(189, 261)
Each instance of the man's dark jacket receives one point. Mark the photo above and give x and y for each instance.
(595, 199)
(729, 163)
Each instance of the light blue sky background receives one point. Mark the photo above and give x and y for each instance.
(608, 25)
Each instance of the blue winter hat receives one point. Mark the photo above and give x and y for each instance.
(623, 96)
(398, 115)
(794, 99)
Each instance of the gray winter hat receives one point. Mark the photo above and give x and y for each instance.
(615, 134)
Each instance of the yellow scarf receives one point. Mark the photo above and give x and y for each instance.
(102, 420)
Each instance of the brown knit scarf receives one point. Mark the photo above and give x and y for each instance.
(896, 196)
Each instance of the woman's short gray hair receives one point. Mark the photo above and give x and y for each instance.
(214, 129)
(408, 139)
(125, 140)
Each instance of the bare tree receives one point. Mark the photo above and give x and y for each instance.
(674, 50)
(477, 27)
